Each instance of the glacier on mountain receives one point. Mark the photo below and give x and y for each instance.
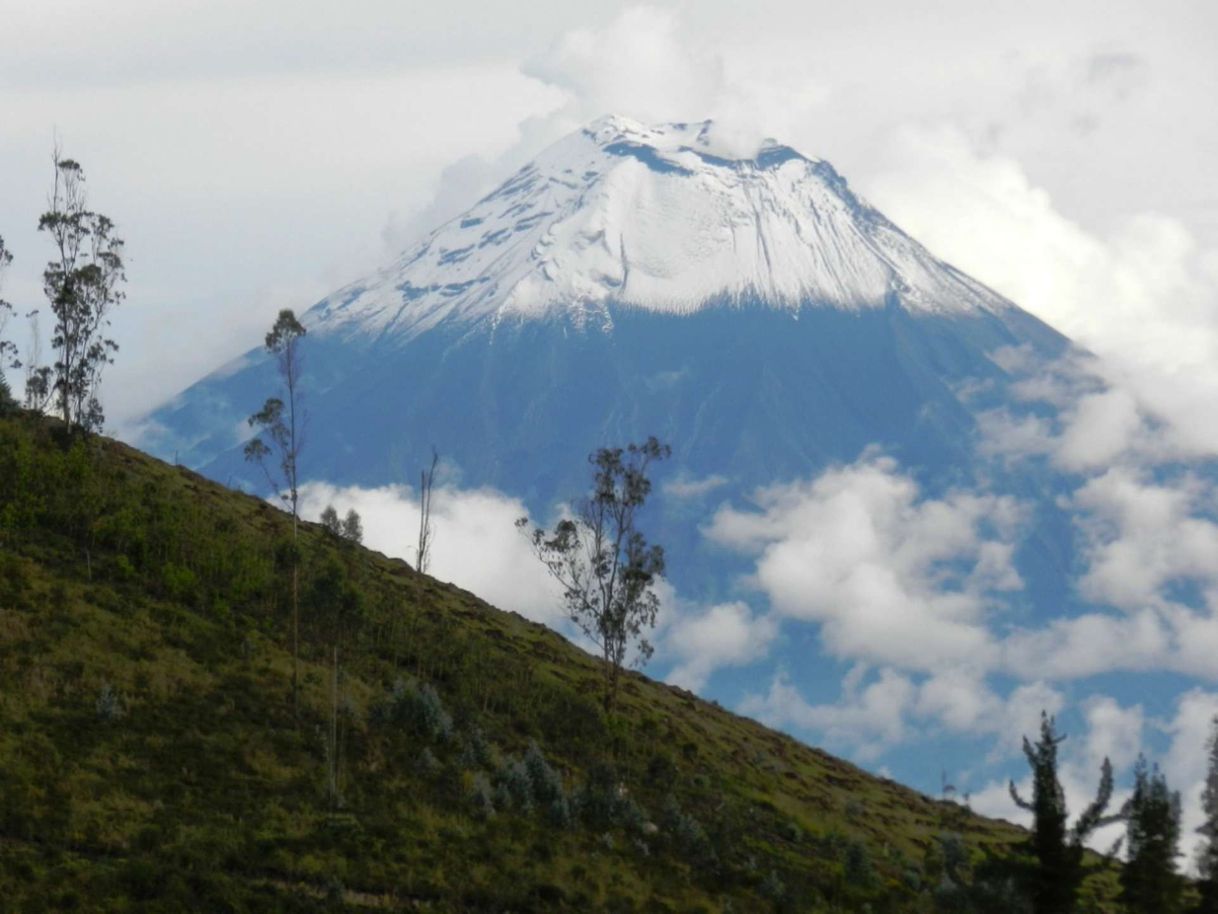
(658, 219)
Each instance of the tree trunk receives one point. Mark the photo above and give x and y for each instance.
(295, 637)
(334, 733)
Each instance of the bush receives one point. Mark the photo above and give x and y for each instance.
(481, 797)
(475, 750)
(515, 788)
(686, 833)
(109, 705)
(418, 709)
(546, 782)
(772, 887)
(859, 870)
(180, 583)
(427, 763)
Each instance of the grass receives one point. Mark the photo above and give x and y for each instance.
(151, 760)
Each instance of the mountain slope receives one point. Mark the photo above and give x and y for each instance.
(152, 758)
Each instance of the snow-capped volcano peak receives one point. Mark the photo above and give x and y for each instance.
(662, 218)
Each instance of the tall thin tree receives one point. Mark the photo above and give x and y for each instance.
(83, 283)
(8, 349)
(427, 480)
(281, 422)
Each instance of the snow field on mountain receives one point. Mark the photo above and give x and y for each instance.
(652, 218)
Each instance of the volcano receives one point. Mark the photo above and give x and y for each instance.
(634, 280)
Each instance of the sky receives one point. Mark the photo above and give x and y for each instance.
(258, 156)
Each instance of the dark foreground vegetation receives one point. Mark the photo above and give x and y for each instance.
(445, 755)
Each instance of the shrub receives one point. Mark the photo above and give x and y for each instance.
(475, 750)
(859, 869)
(515, 787)
(109, 705)
(180, 583)
(418, 709)
(545, 781)
(559, 812)
(481, 797)
(772, 887)
(427, 763)
(686, 833)
(955, 856)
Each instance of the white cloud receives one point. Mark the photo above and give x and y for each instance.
(892, 577)
(1113, 732)
(726, 634)
(476, 544)
(684, 487)
(638, 64)
(1076, 647)
(1100, 429)
(868, 719)
(1143, 296)
(876, 712)
(964, 703)
(1142, 536)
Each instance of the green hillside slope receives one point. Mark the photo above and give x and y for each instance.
(150, 757)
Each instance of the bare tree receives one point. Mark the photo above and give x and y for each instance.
(281, 422)
(605, 565)
(427, 479)
(83, 282)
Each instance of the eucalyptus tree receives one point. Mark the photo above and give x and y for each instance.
(8, 349)
(603, 562)
(276, 449)
(83, 283)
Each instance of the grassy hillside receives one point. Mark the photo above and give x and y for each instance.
(150, 757)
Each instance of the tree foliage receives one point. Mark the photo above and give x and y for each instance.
(1057, 847)
(1149, 882)
(349, 529)
(280, 423)
(83, 283)
(1207, 854)
(603, 562)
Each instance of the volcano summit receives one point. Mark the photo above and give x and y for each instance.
(637, 280)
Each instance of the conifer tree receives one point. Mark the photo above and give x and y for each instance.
(281, 422)
(1207, 854)
(1058, 848)
(1149, 882)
